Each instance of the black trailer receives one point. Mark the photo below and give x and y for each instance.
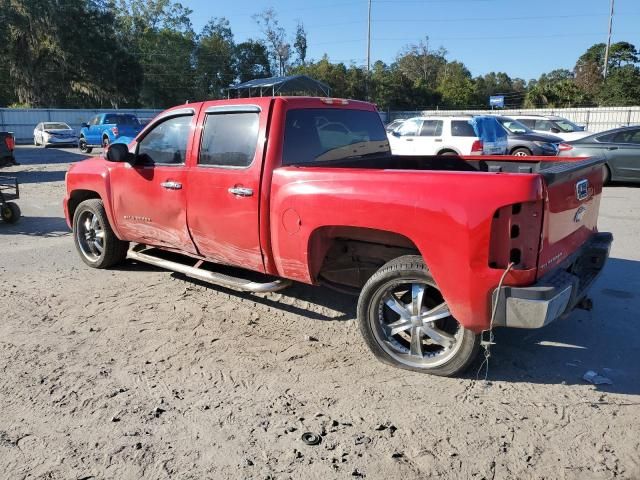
(9, 190)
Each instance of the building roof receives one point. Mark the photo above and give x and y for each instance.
(280, 85)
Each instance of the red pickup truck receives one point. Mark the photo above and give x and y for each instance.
(285, 189)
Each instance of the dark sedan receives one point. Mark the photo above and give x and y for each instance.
(522, 141)
(620, 147)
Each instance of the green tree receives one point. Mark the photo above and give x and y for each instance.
(275, 38)
(456, 86)
(215, 59)
(252, 61)
(622, 87)
(300, 44)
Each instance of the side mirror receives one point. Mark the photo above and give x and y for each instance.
(395, 133)
(119, 152)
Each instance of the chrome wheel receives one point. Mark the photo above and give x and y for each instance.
(90, 236)
(413, 324)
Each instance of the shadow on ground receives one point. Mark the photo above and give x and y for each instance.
(37, 227)
(48, 156)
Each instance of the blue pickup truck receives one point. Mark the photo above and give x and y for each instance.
(105, 128)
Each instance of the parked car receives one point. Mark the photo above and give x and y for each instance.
(54, 133)
(7, 146)
(306, 189)
(554, 125)
(104, 128)
(395, 124)
(435, 136)
(523, 141)
(620, 147)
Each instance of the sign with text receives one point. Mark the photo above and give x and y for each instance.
(496, 101)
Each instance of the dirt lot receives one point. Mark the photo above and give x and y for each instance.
(138, 373)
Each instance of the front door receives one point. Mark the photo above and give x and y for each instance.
(93, 131)
(149, 199)
(403, 139)
(224, 183)
(429, 138)
(624, 154)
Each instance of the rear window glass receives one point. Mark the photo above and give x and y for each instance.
(462, 128)
(119, 119)
(323, 134)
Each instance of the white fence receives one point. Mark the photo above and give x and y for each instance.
(22, 121)
(596, 119)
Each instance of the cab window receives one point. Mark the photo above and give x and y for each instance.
(229, 139)
(166, 142)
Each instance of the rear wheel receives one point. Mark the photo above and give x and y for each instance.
(82, 145)
(10, 212)
(406, 322)
(447, 152)
(521, 152)
(94, 239)
(105, 142)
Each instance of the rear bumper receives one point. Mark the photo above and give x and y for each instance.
(555, 294)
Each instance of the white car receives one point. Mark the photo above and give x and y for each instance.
(54, 133)
(554, 125)
(435, 136)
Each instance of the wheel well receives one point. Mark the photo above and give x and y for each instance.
(447, 150)
(77, 197)
(347, 257)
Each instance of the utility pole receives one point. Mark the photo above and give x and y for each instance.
(369, 40)
(606, 52)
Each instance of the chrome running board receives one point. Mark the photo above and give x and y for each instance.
(139, 254)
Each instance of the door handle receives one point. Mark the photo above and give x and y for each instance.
(438, 140)
(612, 148)
(241, 191)
(171, 185)
(408, 139)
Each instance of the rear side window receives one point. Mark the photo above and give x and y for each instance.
(431, 128)
(229, 139)
(324, 134)
(628, 136)
(544, 125)
(166, 142)
(462, 128)
(527, 121)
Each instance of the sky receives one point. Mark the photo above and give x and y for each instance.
(523, 38)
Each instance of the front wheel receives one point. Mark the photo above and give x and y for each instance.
(105, 142)
(521, 152)
(606, 175)
(406, 322)
(82, 145)
(94, 239)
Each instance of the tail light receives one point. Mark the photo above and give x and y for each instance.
(10, 142)
(115, 130)
(565, 147)
(477, 147)
(513, 232)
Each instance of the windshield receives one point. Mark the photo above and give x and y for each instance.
(514, 126)
(567, 126)
(56, 126)
(120, 119)
(323, 134)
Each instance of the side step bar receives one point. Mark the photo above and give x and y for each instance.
(237, 283)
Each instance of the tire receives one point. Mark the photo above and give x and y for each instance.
(105, 142)
(606, 175)
(10, 212)
(521, 152)
(82, 145)
(94, 239)
(447, 153)
(454, 347)
(35, 141)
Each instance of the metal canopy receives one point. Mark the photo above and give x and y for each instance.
(295, 84)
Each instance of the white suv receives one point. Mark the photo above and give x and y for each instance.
(554, 125)
(435, 136)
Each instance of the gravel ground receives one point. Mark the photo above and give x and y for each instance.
(140, 373)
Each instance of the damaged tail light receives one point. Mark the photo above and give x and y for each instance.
(515, 236)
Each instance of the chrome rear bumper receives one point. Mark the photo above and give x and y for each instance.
(557, 293)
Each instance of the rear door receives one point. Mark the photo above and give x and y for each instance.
(429, 138)
(149, 200)
(623, 153)
(224, 183)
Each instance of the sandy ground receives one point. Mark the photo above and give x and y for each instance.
(139, 373)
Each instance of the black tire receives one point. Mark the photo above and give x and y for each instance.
(606, 175)
(448, 152)
(521, 152)
(10, 212)
(105, 142)
(96, 243)
(82, 145)
(375, 316)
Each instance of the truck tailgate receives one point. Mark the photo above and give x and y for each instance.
(572, 201)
